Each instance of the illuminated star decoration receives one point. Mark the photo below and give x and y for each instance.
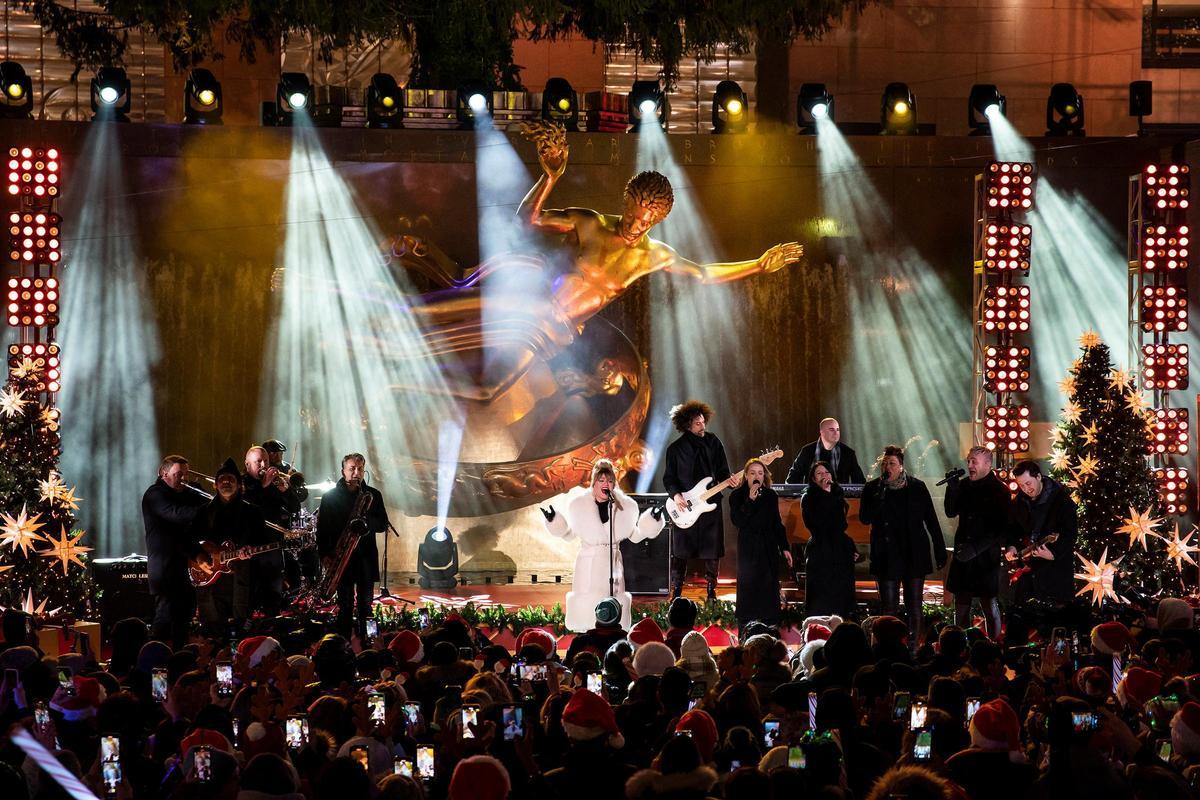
(66, 549)
(25, 368)
(1120, 379)
(50, 487)
(1059, 460)
(1139, 525)
(66, 498)
(1071, 411)
(1136, 403)
(1089, 433)
(21, 532)
(1067, 385)
(1089, 339)
(12, 402)
(1180, 550)
(1098, 577)
(1086, 468)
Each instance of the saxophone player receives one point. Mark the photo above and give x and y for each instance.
(356, 588)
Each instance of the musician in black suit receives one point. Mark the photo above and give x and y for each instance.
(168, 508)
(356, 589)
(828, 448)
(1044, 506)
(983, 506)
(264, 487)
(228, 518)
(696, 454)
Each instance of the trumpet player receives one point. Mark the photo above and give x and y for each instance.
(263, 486)
(275, 450)
(356, 588)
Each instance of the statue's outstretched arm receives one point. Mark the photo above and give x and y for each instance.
(775, 258)
(551, 142)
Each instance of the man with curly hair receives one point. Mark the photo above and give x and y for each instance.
(696, 454)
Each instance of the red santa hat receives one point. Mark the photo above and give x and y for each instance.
(205, 737)
(479, 778)
(260, 738)
(89, 694)
(704, 731)
(816, 632)
(255, 649)
(587, 716)
(646, 630)
(889, 630)
(995, 727)
(540, 637)
(1185, 729)
(1110, 637)
(407, 647)
(1138, 686)
(1092, 682)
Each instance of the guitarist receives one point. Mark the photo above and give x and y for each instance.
(1044, 506)
(694, 455)
(984, 510)
(227, 518)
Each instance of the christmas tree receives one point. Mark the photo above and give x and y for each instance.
(1100, 452)
(43, 561)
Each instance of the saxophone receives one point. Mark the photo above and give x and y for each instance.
(355, 529)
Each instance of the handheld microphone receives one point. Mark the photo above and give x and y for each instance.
(607, 492)
(952, 475)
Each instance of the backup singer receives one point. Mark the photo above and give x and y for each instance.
(903, 524)
(828, 447)
(266, 489)
(984, 509)
(696, 454)
(1044, 506)
(357, 587)
(830, 556)
(762, 540)
(584, 513)
(228, 518)
(168, 508)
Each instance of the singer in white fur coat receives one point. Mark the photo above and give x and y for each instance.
(577, 515)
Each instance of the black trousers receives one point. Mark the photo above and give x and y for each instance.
(914, 591)
(712, 567)
(991, 613)
(354, 596)
(174, 608)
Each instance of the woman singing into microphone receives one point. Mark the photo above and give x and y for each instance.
(754, 508)
(830, 555)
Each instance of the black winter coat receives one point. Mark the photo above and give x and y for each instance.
(167, 515)
(761, 541)
(336, 505)
(848, 470)
(984, 511)
(903, 524)
(690, 458)
(1049, 580)
(829, 556)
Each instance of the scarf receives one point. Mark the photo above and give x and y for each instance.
(900, 482)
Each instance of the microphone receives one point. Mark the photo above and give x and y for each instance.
(952, 475)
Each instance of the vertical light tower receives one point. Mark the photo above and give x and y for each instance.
(1159, 254)
(1003, 245)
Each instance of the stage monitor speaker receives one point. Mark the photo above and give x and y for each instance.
(647, 564)
(125, 590)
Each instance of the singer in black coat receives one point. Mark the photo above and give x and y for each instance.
(984, 511)
(167, 514)
(903, 525)
(830, 554)
(762, 541)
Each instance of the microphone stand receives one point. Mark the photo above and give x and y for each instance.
(612, 580)
(383, 584)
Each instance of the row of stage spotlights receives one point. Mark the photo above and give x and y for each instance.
(111, 94)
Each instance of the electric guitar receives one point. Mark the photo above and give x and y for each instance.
(203, 574)
(1019, 566)
(695, 500)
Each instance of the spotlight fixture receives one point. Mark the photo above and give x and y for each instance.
(730, 108)
(1165, 366)
(33, 238)
(1165, 247)
(1173, 489)
(898, 109)
(608, 611)
(1165, 187)
(1006, 428)
(32, 302)
(473, 100)
(293, 94)
(33, 173)
(1169, 431)
(984, 103)
(560, 103)
(111, 94)
(202, 98)
(1007, 247)
(437, 560)
(1141, 101)
(1064, 111)
(1006, 309)
(1164, 308)
(814, 103)
(385, 102)
(647, 104)
(1006, 369)
(16, 91)
(44, 360)
(1009, 185)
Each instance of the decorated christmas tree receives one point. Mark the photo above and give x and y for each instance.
(43, 561)
(1100, 452)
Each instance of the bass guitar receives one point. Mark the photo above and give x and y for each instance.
(1019, 566)
(202, 573)
(695, 500)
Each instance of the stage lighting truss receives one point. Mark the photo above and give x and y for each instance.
(1007, 247)
(1005, 369)
(33, 173)
(1007, 479)
(1006, 428)
(1173, 489)
(1165, 366)
(1164, 309)
(32, 302)
(1006, 309)
(1165, 247)
(1165, 188)
(33, 237)
(1169, 431)
(39, 357)
(1009, 186)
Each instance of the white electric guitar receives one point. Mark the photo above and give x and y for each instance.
(695, 500)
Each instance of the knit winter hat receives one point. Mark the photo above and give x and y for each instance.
(889, 630)
(1185, 729)
(479, 778)
(1174, 613)
(652, 658)
(407, 647)
(540, 637)
(1138, 686)
(228, 468)
(694, 648)
(587, 716)
(646, 630)
(995, 727)
(89, 694)
(255, 649)
(704, 731)
(1092, 682)
(1110, 637)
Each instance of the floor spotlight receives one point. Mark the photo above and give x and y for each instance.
(730, 109)
(898, 110)
(111, 94)
(983, 104)
(474, 99)
(1141, 101)
(385, 102)
(437, 560)
(202, 98)
(812, 104)
(1064, 111)
(560, 103)
(293, 93)
(647, 103)
(16, 91)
